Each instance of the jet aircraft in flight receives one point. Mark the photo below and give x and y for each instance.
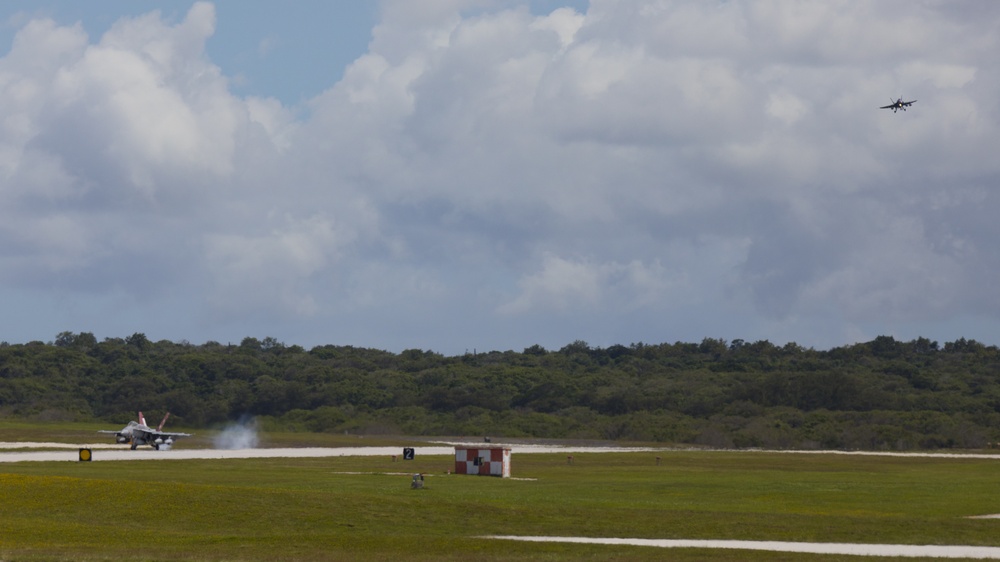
(898, 104)
(138, 433)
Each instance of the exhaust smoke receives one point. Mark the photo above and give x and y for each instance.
(238, 435)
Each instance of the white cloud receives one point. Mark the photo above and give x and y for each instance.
(565, 22)
(560, 285)
(269, 271)
(786, 107)
(942, 76)
(575, 286)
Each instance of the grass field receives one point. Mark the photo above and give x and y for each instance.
(320, 509)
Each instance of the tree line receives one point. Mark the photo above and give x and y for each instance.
(879, 395)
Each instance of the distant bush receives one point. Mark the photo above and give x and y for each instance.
(880, 395)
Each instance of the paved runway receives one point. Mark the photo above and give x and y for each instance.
(112, 452)
(105, 452)
(125, 454)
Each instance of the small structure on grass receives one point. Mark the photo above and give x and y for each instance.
(483, 461)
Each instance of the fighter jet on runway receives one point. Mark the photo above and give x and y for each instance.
(138, 433)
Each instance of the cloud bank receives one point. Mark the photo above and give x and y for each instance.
(488, 177)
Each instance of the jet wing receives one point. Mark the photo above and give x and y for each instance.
(888, 106)
(152, 434)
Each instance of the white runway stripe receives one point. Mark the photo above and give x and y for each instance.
(901, 550)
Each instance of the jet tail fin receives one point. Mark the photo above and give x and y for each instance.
(142, 418)
(163, 421)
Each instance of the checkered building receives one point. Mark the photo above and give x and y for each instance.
(491, 461)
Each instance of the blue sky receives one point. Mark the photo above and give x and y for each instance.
(493, 174)
(291, 51)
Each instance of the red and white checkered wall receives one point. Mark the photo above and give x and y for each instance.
(484, 462)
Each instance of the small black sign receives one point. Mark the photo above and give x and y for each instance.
(85, 455)
(408, 453)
